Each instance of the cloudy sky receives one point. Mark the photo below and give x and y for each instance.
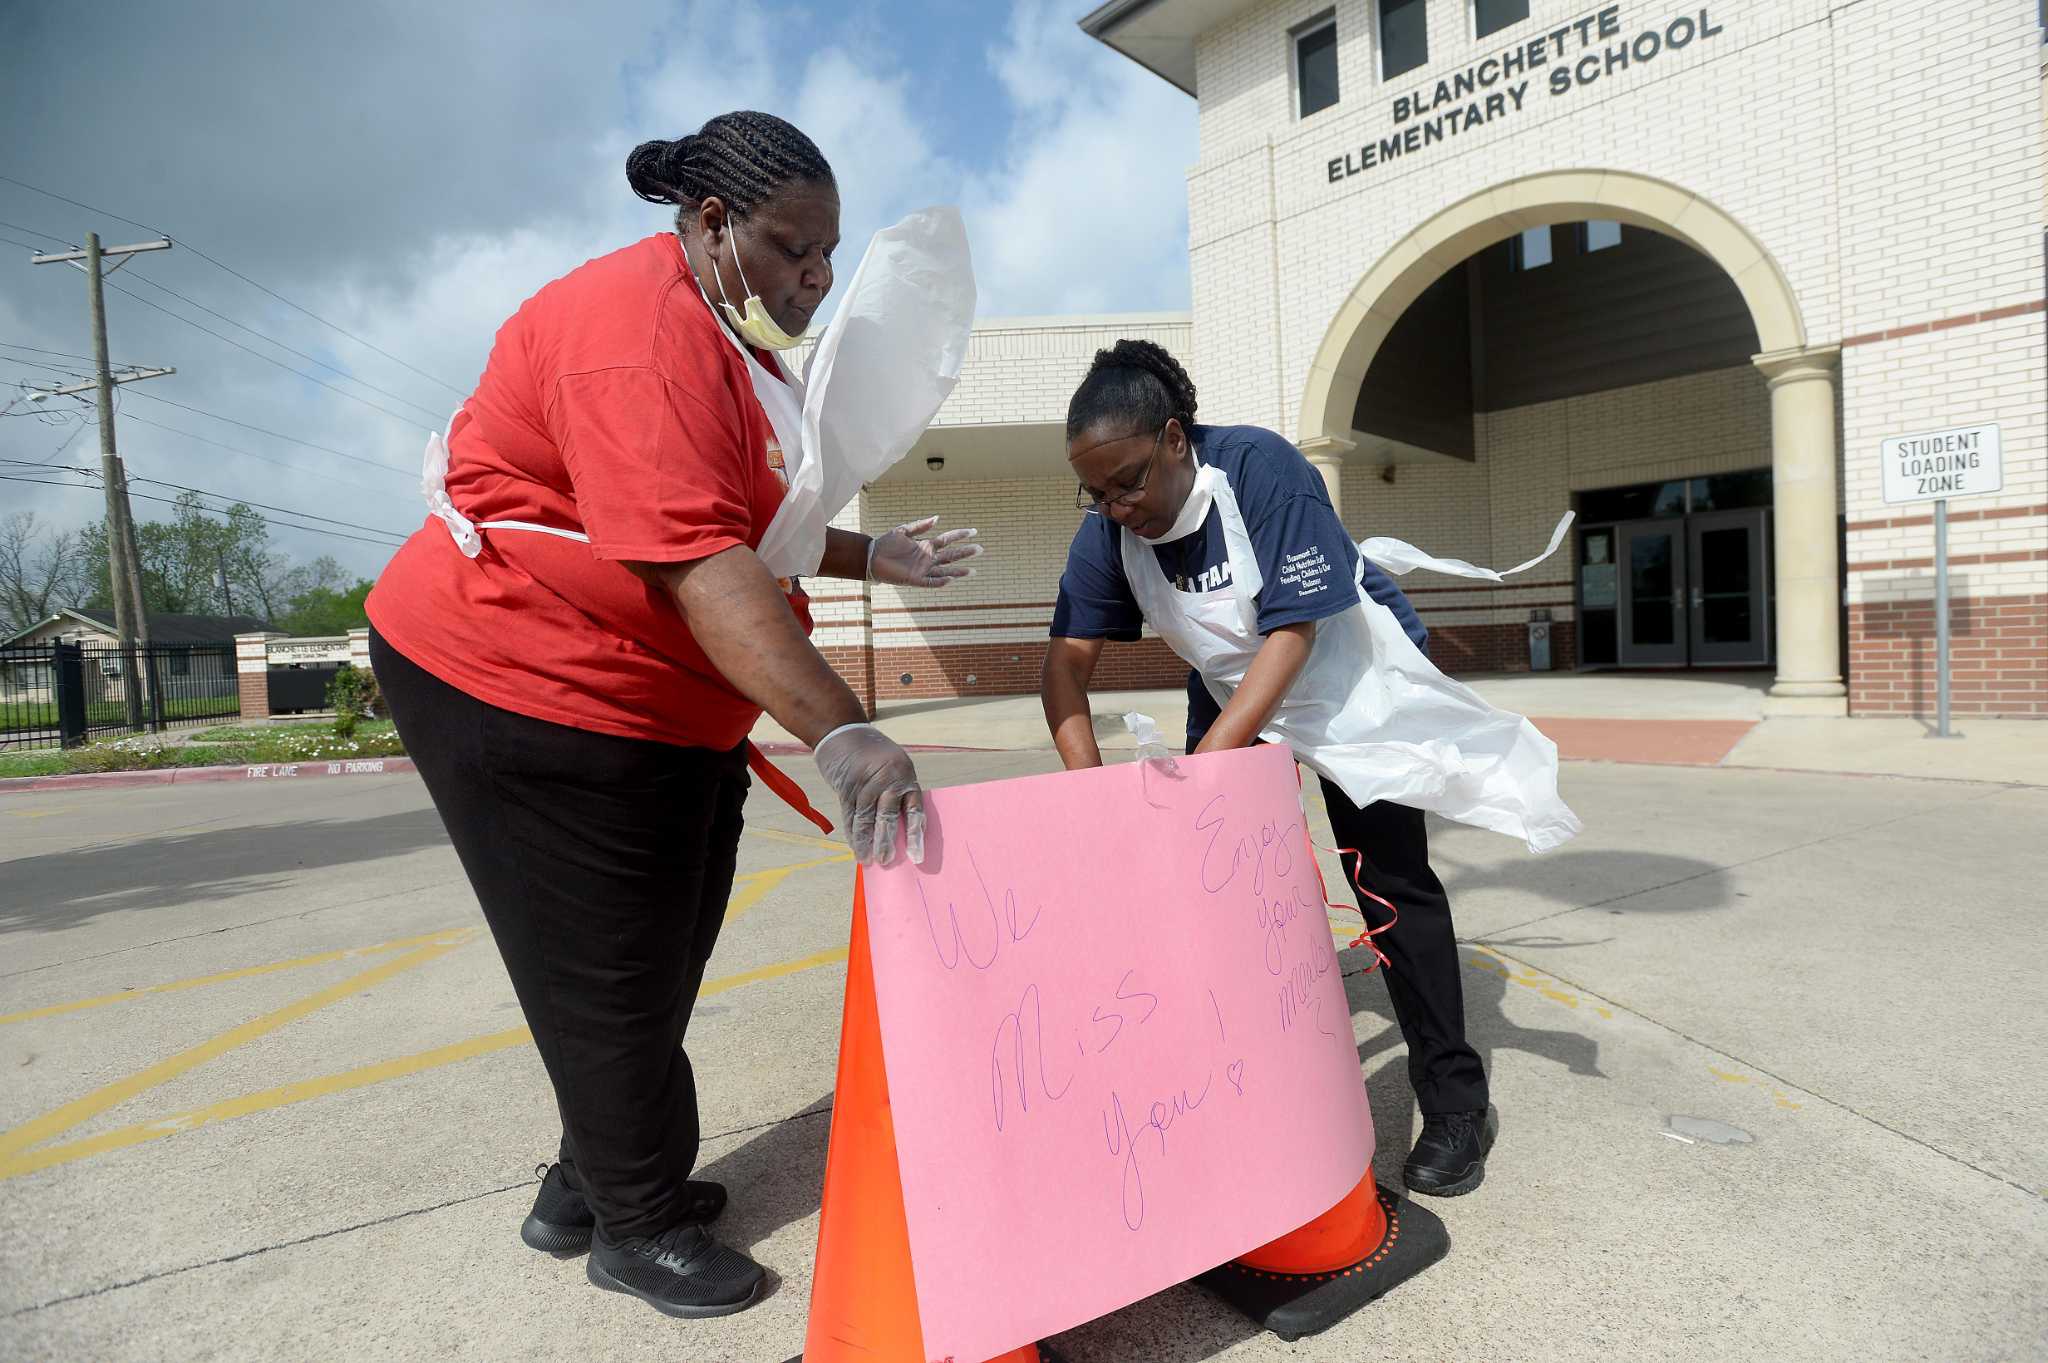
(407, 174)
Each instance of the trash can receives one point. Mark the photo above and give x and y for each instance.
(1539, 641)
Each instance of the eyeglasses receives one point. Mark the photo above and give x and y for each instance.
(1089, 500)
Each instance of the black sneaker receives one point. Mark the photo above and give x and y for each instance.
(1449, 1158)
(561, 1222)
(681, 1272)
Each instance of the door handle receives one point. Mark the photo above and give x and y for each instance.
(1696, 598)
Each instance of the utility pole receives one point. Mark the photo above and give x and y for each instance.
(124, 567)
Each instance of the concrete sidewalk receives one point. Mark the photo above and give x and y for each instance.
(1671, 720)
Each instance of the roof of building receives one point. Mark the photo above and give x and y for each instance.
(1160, 35)
(163, 629)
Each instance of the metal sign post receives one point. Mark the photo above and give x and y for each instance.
(1963, 461)
(1941, 727)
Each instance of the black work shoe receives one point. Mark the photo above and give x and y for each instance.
(561, 1221)
(1450, 1156)
(681, 1272)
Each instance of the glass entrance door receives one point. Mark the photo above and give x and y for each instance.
(1653, 593)
(1730, 609)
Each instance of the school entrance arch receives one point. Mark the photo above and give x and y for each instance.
(1801, 376)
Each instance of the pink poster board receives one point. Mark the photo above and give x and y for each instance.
(1116, 1040)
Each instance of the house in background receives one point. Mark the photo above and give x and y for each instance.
(197, 650)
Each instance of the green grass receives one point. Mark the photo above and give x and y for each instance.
(144, 752)
(236, 733)
(16, 716)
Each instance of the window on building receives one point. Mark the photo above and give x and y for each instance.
(1491, 16)
(1315, 64)
(1532, 249)
(181, 664)
(1404, 36)
(1599, 234)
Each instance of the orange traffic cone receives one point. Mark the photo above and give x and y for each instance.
(863, 1298)
(1313, 1277)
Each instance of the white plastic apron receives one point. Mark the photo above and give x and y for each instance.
(1368, 711)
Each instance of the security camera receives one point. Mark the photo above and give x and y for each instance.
(935, 462)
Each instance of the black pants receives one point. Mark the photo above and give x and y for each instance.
(1423, 978)
(603, 866)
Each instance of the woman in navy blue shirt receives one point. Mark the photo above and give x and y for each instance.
(1223, 539)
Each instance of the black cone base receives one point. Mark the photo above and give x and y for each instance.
(1296, 1306)
(1046, 1354)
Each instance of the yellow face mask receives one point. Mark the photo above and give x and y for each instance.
(753, 324)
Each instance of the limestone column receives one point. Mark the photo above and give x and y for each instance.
(1805, 469)
(1326, 453)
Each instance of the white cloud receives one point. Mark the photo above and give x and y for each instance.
(419, 211)
(1087, 212)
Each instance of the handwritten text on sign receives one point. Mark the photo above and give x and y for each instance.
(1116, 1038)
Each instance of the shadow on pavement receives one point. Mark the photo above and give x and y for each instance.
(1590, 877)
(65, 889)
(776, 1178)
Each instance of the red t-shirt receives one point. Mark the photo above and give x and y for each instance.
(612, 404)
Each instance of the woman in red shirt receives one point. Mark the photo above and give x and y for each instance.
(578, 642)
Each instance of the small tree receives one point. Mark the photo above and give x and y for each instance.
(352, 695)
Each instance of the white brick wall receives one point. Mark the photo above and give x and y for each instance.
(1889, 156)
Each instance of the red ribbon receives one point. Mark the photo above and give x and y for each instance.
(1364, 939)
(777, 780)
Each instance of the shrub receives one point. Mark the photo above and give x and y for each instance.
(350, 695)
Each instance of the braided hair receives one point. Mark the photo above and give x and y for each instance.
(1134, 385)
(741, 159)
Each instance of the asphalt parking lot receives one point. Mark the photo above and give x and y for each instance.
(1765, 1047)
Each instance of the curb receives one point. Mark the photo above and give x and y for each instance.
(267, 771)
(274, 771)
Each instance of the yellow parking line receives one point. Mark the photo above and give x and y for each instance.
(14, 1164)
(750, 888)
(801, 839)
(59, 1120)
(246, 972)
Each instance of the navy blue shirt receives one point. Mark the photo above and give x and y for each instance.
(1304, 553)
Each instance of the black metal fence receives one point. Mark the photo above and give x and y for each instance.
(67, 693)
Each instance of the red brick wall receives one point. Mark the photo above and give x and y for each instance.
(255, 689)
(1465, 649)
(1012, 669)
(856, 666)
(1998, 657)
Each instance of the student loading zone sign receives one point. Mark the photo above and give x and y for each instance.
(1962, 462)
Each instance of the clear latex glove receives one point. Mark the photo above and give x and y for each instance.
(904, 558)
(878, 791)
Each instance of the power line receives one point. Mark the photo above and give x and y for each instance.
(223, 496)
(400, 535)
(22, 244)
(215, 511)
(65, 444)
(278, 435)
(270, 359)
(71, 370)
(37, 350)
(332, 326)
(311, 359)
(17, 227)
(251, 454)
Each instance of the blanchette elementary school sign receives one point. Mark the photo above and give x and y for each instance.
(1568, 58)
